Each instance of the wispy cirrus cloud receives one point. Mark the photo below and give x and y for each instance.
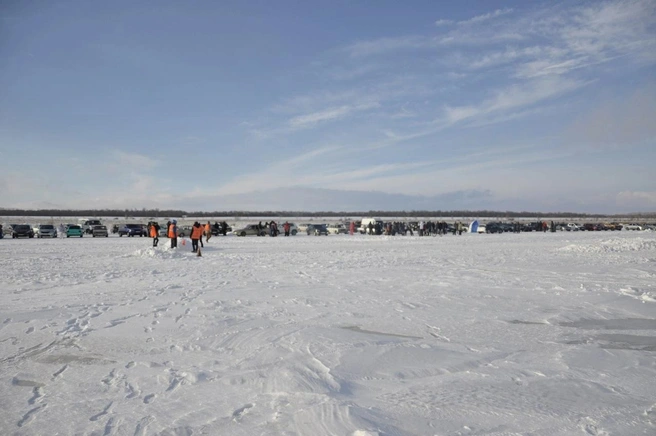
(388, 44)
(485, 17)
(309, 120)
(513, 97)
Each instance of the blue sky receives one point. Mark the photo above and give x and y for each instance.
(340, 105)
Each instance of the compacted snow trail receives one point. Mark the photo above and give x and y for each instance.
(540, 334)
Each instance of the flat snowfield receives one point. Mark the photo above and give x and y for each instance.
(528, 334)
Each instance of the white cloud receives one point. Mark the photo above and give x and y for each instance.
(485, 17)
(331, 114)
(135, 160)
(444, 22)
(512, 97)
(316, 117)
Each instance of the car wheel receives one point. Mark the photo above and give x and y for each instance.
(293, 232)
(81, 236)
(242, 234)
(68, 236)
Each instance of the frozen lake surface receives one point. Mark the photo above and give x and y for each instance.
(513, 334)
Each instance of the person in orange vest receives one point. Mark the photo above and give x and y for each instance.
(196, 235)
(173, 233)
(208, 231)
(154, 233)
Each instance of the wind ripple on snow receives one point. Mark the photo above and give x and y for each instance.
(158, 253)
(615, 245)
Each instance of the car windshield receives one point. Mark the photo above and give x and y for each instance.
(133, 226)
(46, 227)
(74, 227)
(100, 228)
(21, 227)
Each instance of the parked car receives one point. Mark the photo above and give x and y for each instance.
(293, 228)
(21, 231)
(45, 231)
(337, 229)
(494, 227)
(218, 231)
(74, 230)
(99, 231)
(303, 227)
(184, 231)
(131, 230)
(317, 229)
(250, 230)
(364, 225)
(87, 224)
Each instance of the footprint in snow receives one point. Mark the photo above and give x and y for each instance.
(239, 413)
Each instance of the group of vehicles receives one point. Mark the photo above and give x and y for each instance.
(51, 231)
(95, 228)
(315, 229)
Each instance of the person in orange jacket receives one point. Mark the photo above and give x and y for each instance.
(173, 233)
(208, 231)
(154, 233)
(196, 235)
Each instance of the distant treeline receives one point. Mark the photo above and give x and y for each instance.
(157, 213)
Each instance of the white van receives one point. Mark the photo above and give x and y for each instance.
(364, 225)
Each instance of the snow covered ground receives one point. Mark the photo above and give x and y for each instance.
(513, 334)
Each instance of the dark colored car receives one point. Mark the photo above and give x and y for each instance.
(218, 230)
(317, 229)
(494, 228)
(22, 231)
(132, 230)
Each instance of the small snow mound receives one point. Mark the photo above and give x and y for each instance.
(616, 245)
(164, 252)
(640, 294)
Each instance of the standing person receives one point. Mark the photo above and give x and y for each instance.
(224, 228)
(154, 233)
(286, 228)
(421, 228)
(173, 233)
(196, 235)
(208, 231)
(352, 228)
(62, 230)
